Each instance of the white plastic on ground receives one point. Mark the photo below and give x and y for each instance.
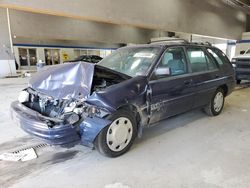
(23, 155)
(116, 185)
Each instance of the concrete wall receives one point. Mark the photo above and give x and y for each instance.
(248, 23)
(206, 17)
(7, 65)
(47, 28)
(4, 35)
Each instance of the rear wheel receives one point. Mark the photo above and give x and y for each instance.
(216, 104)
(117, 138)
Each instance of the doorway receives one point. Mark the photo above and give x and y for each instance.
(52, 56)
(27, 57)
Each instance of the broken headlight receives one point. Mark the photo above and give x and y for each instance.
(23, 96)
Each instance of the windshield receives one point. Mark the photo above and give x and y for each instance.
(131, 61)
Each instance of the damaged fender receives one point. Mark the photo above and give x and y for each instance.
(90, 128)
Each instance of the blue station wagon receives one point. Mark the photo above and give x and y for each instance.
(106, 105)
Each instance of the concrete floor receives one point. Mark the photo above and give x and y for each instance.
(189, 150)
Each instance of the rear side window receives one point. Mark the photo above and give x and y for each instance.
(218, 55)
(199, 60)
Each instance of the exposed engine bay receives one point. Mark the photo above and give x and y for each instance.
(70, 109)
(104, 78)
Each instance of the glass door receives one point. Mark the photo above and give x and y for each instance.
(32, 57)
(23, 56)
(27, 57)
(52, 56)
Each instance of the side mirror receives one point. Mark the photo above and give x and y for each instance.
(162, 71)
(242, 52)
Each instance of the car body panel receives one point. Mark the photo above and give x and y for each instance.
(171, 96)
(90, 128)
(132, 91)
(153, 100)
(29, 121)
(242, 66)
(60, 81)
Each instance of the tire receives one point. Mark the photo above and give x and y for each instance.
(117, 138)
(238, 81)
(216, 104)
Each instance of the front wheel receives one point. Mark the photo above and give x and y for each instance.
(117, 138)
(216, 104)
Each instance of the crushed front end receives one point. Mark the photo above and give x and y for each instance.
(55, 108)
(58, 121)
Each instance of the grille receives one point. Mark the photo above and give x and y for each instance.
(243, 63)
(244, 66)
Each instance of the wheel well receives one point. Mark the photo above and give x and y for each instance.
(132, 108)
(225, 89)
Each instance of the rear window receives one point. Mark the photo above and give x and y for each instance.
(219, 56)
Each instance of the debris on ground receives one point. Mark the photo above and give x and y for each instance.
(22, 155)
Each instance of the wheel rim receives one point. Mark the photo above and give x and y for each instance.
(218, 101)
(119, 134)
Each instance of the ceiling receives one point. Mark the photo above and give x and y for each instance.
(243, 5)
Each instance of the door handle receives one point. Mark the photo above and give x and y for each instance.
(188, 82)
(217, 76)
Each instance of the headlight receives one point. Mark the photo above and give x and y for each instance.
(93, 110)
(234, 65)
(23, 96)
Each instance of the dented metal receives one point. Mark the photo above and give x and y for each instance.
(68, 80)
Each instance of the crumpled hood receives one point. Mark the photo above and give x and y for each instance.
(68, 80)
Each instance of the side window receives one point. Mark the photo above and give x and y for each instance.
(174, 59)
(199, 60)
(218, 55)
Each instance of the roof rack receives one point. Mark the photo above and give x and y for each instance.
(202, 43)
(169, 40)
(178, 40)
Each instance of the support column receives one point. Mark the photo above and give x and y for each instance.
(7, 62)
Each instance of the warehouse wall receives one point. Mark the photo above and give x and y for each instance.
(206, 17)
(7, 66)
(248, 23)
(27, 26)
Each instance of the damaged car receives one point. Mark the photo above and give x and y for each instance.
(107, 105)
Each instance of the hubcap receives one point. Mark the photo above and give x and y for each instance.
(119, 134)
(218, 101)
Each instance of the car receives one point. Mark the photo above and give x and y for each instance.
(106, 105)
(87, 58)
(241, 64)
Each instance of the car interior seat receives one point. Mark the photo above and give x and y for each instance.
(176, 64)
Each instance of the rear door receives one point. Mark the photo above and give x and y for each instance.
(173, 94)
(206, 74)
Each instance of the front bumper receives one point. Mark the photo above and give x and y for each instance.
(30, 121)
(242, 74)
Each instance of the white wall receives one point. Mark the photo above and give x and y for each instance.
(7, 68)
